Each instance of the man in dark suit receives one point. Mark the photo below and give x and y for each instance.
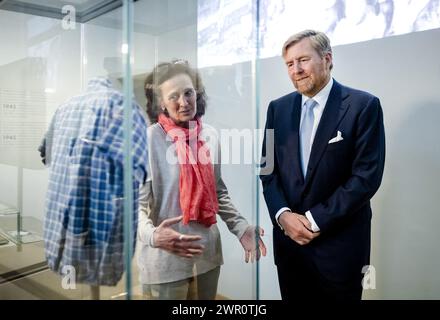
(328, 160)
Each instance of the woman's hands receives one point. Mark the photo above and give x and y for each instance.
(168, 239)
(249, 239)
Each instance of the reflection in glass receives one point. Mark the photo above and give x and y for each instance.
(180, 243)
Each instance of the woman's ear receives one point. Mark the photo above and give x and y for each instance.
(160, 103)
(163, 109)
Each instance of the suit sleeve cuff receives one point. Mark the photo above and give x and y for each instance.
(278, 214)
(309, 217)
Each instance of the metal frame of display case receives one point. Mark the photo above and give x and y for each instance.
(55, 12)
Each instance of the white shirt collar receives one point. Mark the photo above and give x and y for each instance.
(322, 96)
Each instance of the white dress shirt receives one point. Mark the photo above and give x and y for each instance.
(321, 98)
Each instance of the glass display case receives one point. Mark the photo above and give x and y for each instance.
(54, 49)
(44, 65)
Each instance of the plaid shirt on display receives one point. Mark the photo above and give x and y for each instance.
(83, 228)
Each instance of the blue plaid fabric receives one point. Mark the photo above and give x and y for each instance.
(83, 225)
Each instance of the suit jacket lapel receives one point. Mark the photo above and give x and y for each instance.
(292, 128)
(333, 113)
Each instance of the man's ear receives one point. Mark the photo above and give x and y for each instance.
(329, 57)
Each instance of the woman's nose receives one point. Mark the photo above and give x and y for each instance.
(182, 100)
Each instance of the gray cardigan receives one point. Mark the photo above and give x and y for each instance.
(159, 199)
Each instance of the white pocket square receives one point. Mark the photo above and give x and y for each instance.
(337, 138)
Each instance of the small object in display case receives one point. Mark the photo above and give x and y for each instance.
(7, 210)
(19, 229)
(3, 240)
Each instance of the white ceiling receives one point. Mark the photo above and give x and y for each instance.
(158, 16)
(150, 16)
(80, 5)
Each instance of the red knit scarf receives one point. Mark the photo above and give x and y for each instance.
(198, 195)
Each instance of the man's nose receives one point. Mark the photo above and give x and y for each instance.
(297, 68)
